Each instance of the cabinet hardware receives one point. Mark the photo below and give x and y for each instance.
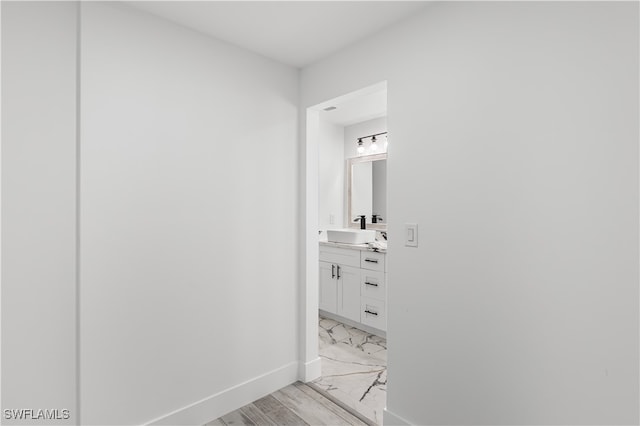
(371, 260)
(366, 311)
(338, 271)
(333, 271)
(371, 284)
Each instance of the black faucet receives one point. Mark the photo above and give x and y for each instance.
(363, 221)
(375, 218)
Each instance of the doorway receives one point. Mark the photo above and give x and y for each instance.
(345, 303)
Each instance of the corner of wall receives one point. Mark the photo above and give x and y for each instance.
(310, 371)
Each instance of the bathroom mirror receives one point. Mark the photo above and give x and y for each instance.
(367, 190)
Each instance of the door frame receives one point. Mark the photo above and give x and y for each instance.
(310, 368)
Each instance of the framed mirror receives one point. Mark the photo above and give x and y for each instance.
(367, 191)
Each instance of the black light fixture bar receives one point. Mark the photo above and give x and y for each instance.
(370, 136)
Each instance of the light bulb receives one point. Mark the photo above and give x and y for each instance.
(360, 146)
(374, 144)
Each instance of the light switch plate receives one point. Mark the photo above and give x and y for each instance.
(411, 234)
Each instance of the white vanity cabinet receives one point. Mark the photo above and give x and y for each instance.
(340, 282)
(353, 285)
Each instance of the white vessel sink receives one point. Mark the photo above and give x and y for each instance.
(351, 236)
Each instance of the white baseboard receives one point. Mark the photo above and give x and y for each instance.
(310, 370)
(391, 419)
(223, 402)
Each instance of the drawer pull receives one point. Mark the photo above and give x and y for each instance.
(371, 260)
(371, 284)
(366, 311)
(333, 271)
(338, 266)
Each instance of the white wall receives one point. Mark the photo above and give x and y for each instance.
(331, 166)
(514, 146)
(38, 208)
(188, 221)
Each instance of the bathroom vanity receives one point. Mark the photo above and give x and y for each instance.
(353, 285)
(353, 276)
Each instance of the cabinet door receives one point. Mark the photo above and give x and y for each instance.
(328, 287)
(349, 292)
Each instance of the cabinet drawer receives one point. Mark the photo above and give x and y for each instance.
(373, 284)
(373, 313)
(339, 255)
(372, 260)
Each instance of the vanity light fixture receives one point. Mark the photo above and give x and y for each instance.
(374, 144)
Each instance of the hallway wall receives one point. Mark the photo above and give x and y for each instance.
(513, 130)
(188, 202)
(39, 210)
(188, 217)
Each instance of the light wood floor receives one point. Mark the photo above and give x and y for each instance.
(296, 404)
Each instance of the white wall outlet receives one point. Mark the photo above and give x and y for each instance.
(411, 234)
(332, 219)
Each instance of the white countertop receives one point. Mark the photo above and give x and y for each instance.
(361, 247)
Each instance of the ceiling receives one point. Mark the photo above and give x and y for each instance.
(296, 33)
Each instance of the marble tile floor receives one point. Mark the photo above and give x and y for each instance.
(354, 368)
